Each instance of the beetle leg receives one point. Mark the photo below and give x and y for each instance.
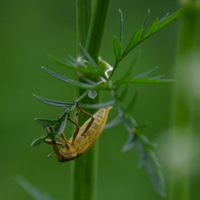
(88, 125)
(56, 151)
(76, 117)
(64, 138)
(50, 142)
(76, 131)
(86, 113)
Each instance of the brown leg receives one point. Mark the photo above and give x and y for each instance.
(91, 120)
(76, 131)
(56, 150)
(50, 142)
(64, 138)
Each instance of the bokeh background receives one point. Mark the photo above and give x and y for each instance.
(32, 29)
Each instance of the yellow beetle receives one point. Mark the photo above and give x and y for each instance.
(83, 138)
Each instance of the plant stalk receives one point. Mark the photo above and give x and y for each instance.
(84, 169)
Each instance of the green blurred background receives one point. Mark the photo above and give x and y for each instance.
(32, 29)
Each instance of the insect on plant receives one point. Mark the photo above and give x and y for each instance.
(88, 68)
(83, 138)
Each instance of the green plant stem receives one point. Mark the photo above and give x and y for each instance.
(96, 30)
(83, 17)
(182, 109)
(84, 169)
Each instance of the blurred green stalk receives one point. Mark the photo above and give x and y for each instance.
(90, 28)
(183, 104)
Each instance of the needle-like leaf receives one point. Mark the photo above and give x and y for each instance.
(143, 32)
(146, 73)
(117, 48)
(82, 96)
(80, 66)
(99, 105)
(153, 169)
(53, 102)
(131, 139)
(132, 103)
(114, 122)
(134, 41)
(90, 59)
(121, 26)
(57, 126)
(38, 141)
(77, 83)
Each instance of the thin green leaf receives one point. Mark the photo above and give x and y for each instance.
(67, 80)
(88, 80)
(142, 78)
(124, 93)
(56, 124)
(75, 61)
(57, 127)
(143, 81)
(133, 123)
(146, 20)
(82, 96)
(60, 127)
(146, 141)
(167, 19)
(114, 122)
(121, 26)
(143, 33)
(99, 105)
(117, 48)
(164, 18)
(38, 141)
(132, 103)
(157, 25)
(77, 66)
(46, 122)
(92, 94)
(153, 171)
(146, 73)
(129, 143)
(134, 41)
(53, 102)
(131, 139)
(90, 59)
(151, 29)
(157, 77)
(129, 71)
(73, 65)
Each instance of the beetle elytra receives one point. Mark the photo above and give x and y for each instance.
(83, 138)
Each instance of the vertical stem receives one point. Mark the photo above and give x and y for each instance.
(96, 30)
(84, 169)
(83, 17)
(182, 109)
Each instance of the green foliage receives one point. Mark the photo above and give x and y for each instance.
(144, 32)
(103, 73)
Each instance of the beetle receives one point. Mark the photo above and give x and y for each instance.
(83, 138)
